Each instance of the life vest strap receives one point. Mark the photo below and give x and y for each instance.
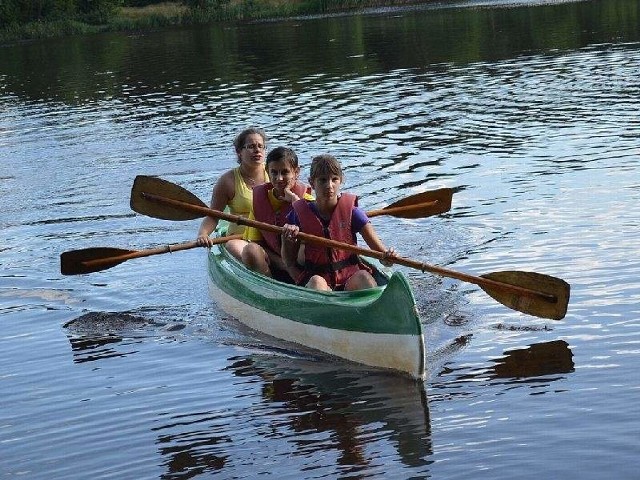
(316, 269)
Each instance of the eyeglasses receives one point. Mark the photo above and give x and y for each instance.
(254, 146)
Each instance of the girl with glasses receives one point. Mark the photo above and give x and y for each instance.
(234, 189)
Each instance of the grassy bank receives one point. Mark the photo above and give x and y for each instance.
(127, 19)
(165, 14)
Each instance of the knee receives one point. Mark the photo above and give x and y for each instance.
(360, 280)
(251, 252)
(255, 258)
(318, 283)
(235, 247)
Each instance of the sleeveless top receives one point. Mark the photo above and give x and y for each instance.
(240, 204)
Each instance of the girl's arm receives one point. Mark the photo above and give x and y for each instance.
(223, 192)
(373, 241)
(289, 250)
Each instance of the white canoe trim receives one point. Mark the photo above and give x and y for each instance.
(404, 353)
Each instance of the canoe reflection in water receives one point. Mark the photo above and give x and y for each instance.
(306, 407)
(306, 411)
(325, 398)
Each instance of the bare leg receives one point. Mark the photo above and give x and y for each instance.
(360, 280)
(256, 259)
(234, 247)
(318, 283)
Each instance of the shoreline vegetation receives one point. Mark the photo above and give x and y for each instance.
(58, 18)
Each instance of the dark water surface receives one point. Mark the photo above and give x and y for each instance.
(530, 112)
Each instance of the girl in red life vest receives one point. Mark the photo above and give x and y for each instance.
(335, 216)
(271, 204)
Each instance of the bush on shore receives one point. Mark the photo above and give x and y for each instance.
(30, 19)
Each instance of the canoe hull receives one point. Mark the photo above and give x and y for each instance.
(378, 327)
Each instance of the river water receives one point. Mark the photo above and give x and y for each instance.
(530, 111)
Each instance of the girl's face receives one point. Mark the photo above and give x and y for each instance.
(253, 150)
(326, 186)
(282, 176)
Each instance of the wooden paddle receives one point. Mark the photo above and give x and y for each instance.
(88, 260)
(528, 292)
(419, 205)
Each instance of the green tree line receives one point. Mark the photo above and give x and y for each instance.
(25, 11)
(88, 11)
(101, 12)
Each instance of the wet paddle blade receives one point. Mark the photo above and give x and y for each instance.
(157, 186)
(72, 262)
(420, 205)
(532, 305)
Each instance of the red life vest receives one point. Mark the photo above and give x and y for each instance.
(263, 211)
(334, 265)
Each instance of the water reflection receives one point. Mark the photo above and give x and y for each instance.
(189, 66)
(537, 360)
(192, 454)
(92, 348)
(536, 365)
(314, 408)
(323, 399)
(94, 335)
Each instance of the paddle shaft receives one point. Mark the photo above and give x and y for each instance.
(152, 251)
(305, 237)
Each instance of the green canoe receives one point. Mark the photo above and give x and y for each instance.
(378, 327)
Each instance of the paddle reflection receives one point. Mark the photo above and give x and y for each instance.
(536, 365)
(93, 335)
(537, 360)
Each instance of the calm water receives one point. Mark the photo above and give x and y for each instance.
(530, 112)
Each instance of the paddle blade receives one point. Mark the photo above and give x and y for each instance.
(531, 304)
(72, 262)
(421, 205)
(157, 186)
